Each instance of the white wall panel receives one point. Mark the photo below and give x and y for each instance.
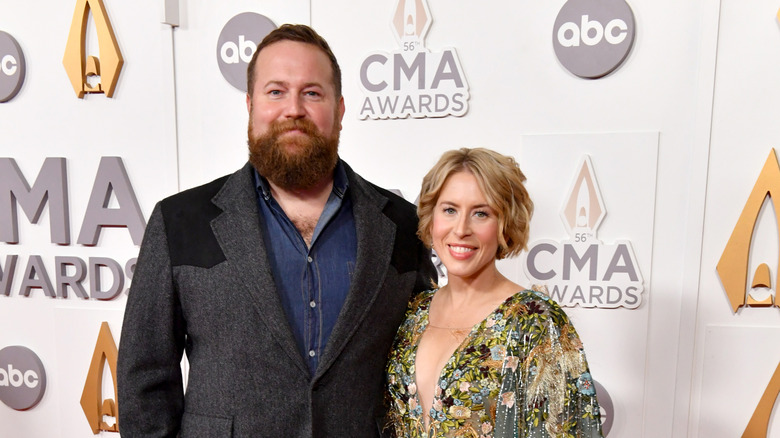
(46, 119)
(744, 130)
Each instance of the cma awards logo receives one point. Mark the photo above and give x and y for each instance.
(413, 81)
(89, 74)
(733, 269)
(583, 270)
(101, 412)
(592, 38)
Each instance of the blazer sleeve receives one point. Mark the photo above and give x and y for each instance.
(149, 377)
(427, 276)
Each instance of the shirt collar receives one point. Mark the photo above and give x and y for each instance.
(340, 182)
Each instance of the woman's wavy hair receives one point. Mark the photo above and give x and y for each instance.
(501, 181)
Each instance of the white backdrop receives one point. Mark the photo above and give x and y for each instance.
(677, 135)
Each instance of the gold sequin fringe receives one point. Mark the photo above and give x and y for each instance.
(557, 357)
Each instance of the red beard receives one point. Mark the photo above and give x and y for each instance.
(298, 161)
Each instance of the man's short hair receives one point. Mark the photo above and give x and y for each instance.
(299, 33)
(501, 181)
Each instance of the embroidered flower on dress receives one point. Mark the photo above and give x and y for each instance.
(487, 427)
(508, 399)
(534, 308)
(400, 405)
(437, 405)
(415, 410)
(464, 386)
(585, 384)
(498, 352)
(512, 362)
(413, 388)
(460, 412)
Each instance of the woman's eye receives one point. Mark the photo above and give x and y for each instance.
(481, 214)
(449, 210)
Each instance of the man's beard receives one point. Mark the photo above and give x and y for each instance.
(295, 163)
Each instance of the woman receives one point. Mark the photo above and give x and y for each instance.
(481, 356)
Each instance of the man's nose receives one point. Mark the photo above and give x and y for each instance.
(294, 108)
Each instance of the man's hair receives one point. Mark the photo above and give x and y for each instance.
(500, 180)
(299, 33)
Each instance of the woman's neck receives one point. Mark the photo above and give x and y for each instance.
(478, 285)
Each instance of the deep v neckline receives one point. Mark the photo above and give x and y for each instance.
(424, 322)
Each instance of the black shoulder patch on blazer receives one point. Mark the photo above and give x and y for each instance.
(404, 215)
(188, 217)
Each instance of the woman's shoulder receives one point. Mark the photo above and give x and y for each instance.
(421, 301)
(536, 304)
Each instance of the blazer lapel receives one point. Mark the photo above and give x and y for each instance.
(375, 237)
(238, 231)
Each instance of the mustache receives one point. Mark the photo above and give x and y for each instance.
(303, 125)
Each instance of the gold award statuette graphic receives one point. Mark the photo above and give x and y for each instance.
(733, 272)
(78, 65)
(733, 265)
(759, 422)
(96, 409)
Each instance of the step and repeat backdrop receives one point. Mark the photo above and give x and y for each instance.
(647, 131)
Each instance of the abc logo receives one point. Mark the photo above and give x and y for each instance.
(592, 32)
(22, 378)
(15, 378)
(592, 38)
(607, 408)
(237, 43)
(11, 67)
(232, 53)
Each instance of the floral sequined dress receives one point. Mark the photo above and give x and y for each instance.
(519, 373)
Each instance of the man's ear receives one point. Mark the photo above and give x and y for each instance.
(342, 108)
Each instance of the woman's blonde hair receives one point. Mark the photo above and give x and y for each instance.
(501, 181)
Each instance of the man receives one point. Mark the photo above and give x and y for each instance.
(285, 281)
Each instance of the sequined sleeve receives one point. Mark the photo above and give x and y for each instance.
(546, 386)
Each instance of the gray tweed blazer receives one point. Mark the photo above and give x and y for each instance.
(203, 284)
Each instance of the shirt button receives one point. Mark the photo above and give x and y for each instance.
(312, 304)
(311, 353)
(309, 259)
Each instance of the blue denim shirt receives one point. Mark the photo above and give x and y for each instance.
(312, 282)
